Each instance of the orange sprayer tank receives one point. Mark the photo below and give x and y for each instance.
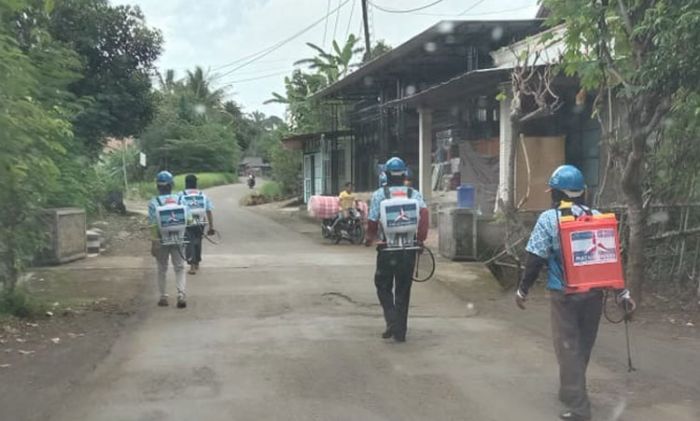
(591, 253)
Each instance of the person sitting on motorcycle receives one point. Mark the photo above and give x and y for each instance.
(347, 204)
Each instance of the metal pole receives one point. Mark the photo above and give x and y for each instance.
(365, 21)
(630, 367)
(126, 183)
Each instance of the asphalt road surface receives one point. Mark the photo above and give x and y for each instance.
(282, 327)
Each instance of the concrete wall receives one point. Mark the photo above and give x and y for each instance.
(66, 240)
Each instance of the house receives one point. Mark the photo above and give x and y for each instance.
(327, 161)
(254, 165)
(379, 125)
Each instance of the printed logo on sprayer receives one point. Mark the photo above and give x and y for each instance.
(593, 247)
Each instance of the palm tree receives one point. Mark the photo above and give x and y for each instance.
(168, 84)
(199, 85)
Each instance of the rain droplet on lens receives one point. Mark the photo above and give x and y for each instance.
(497, 33)
(430, 47)
(410, 90)
(200, 109)
(446, 27)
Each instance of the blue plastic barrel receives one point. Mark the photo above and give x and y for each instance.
(466, 196)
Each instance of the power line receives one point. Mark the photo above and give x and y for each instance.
(383, 9)
(325, 26)
(352, 10)
(494, 12)
(337, 18)
(276, 46)
(269, 75)
(473, 6)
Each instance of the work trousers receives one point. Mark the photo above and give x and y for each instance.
(575, 320)
(174, 253)
(194, 236)
(393, 279)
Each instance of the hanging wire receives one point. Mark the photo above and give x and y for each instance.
(416, 9)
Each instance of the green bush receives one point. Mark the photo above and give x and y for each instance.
(271, 191)
(146, 189)
(20, 303)
(286, 169)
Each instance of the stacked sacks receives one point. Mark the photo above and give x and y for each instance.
(327, 207)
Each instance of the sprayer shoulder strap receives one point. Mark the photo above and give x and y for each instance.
(387, 193)
(158, 201)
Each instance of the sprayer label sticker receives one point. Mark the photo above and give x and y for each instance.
(401, 215)
(195, 202)
(594, 247)
(172, 217)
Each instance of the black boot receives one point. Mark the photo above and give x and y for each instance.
(388, 333)
(572, 416)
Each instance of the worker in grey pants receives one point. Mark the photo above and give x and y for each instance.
(176, 255)
(162, 252)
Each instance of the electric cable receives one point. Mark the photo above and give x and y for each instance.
(473, 6)
(337, 18)
(325, 25)
(252, 58)
(352, 10)
(416, 9)
(226, 84)
(495, 12)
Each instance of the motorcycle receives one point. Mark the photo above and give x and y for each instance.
(350, 229)
(251, 183)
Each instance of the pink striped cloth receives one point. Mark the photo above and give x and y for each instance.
(324, 207)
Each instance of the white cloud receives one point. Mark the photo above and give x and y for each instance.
(211, 33)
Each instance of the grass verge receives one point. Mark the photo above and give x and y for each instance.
(147, 189)
(20, 303)
(270, 191)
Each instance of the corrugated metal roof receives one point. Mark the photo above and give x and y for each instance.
(446, 38)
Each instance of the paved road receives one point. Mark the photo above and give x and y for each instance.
(280, 327)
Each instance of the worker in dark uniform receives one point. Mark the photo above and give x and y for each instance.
(394, 275)
(575, 316)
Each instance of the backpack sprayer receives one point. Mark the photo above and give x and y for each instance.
(196, 202)
(591, 257)
(171, 218)
(399, 218)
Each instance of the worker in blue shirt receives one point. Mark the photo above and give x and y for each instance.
(575, 316)
(163, 253)
(196, 199)
(394, 274)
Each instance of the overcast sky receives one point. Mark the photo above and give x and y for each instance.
(216, 33)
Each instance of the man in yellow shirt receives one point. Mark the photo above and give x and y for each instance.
(347, 203)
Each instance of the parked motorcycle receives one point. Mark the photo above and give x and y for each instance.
(251, 183)
(350, 229)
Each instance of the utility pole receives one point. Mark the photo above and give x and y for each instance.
(365, 21)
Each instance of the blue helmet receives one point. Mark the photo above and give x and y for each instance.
(395, 166)
(164, 178)
(568, 179)
(382, 179)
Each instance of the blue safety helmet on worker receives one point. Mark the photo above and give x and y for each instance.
(164, 178)
(569, 180)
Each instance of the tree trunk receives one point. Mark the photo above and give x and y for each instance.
(636, 214)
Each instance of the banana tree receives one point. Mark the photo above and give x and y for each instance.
(334, 64)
